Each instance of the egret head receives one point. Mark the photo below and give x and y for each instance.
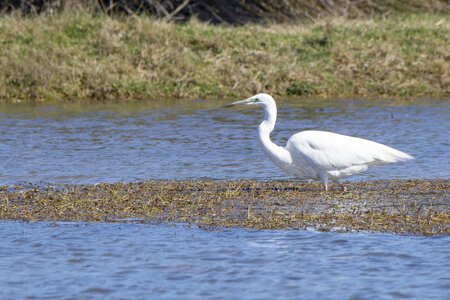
(263, 100)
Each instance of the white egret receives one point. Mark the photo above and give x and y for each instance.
(319, 155)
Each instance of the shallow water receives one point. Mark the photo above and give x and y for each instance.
(195, 140)
(135, 261)
(136, 141)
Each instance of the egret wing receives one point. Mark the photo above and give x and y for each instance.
(321, 150)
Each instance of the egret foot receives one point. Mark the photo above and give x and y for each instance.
(338, 181)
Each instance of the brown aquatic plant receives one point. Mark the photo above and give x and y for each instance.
(418, 206)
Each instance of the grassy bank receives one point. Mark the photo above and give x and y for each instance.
(399, 206)
(79, 55)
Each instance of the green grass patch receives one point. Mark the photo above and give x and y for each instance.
(76, 55)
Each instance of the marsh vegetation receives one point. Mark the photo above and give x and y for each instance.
(399, 206)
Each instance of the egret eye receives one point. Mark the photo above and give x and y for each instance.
(255, 100)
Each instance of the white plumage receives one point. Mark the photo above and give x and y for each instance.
(319, 155)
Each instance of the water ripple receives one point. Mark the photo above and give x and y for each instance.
(73, 260)
(127, 142)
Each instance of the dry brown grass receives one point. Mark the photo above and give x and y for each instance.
(77, 55)
(235, 11)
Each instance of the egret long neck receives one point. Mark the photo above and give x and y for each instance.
(280, 156)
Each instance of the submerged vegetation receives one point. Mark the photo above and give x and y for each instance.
(79, 54)
(418, 207)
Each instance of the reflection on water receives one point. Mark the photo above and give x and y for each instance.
(132, 141)
(131, 261)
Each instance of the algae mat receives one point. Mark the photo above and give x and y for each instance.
(418, 206)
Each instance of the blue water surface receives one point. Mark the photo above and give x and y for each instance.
(199, 140)
(141, 261)
(75, 143)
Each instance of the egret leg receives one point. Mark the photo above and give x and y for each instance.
(324, 179)
(338, 181)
